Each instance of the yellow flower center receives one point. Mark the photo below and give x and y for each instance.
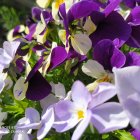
(58, 3)
(80, 114)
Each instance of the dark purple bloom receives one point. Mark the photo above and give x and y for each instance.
(111, 27)
(132, 59)
(35, 69)
(108, 55)
(131, 3)
(134, 20)
(38, 87)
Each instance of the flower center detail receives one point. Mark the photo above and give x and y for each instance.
(58, 3)
(80, 114)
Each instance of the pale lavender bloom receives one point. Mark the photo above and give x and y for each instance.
(86, 107)
(127, 81)
(7, 53)
(33, 121)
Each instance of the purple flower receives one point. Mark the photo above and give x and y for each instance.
(37, 90)
(108, 55)
(33, 121)
(134, 20)
(131, 3)
(132, 59)
(111, 27)
(7, 53)
(86, 107)
(128, 89)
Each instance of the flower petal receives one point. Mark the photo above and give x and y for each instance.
(103, 92)
(93, 68)
(38, 90)
(81, 127)
(128, 89)
(47, 122)
(109, 117)
(80, 94)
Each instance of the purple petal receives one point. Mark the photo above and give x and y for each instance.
(36, 13)
(109, 117)
(108, 55)
(103, 92)
(74, 13)
(134, 17)
(62, 110)
(58, 56)
(38, 87)
(132, 59)
(32, 30)
(130, 3)
(47, 122)
(134, 40)
(20, 64)
(80, 94)
(62, 10)
(62, 126)
(135, 133)
(112, 27)
(34, 69)
(111, 6)
(32, 115)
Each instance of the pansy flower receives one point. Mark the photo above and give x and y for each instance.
(33, 121)
(85, 108)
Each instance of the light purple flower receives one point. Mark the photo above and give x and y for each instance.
(127, 84)
(86, 107)
(33, 121)
(7, 53)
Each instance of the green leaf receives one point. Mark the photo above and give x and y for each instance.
(124, 135)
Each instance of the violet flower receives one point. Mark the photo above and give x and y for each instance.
(88, 108)
(134, 20)
(7, 53)
(108, 55)
(33, 121)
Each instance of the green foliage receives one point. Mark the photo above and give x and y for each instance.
(123, 135)
(9, 17)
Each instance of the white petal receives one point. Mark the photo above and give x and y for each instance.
(43, 3)
(81, 43)
(20, 89)
(128, 88)
(59, 90)
(89, 26)
(94, 69)
(21, 135)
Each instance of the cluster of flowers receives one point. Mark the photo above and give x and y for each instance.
(101, 40)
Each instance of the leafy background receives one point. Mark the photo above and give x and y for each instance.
(15, 12)
(12, 13)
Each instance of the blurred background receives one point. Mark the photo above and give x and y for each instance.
(12, 13)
